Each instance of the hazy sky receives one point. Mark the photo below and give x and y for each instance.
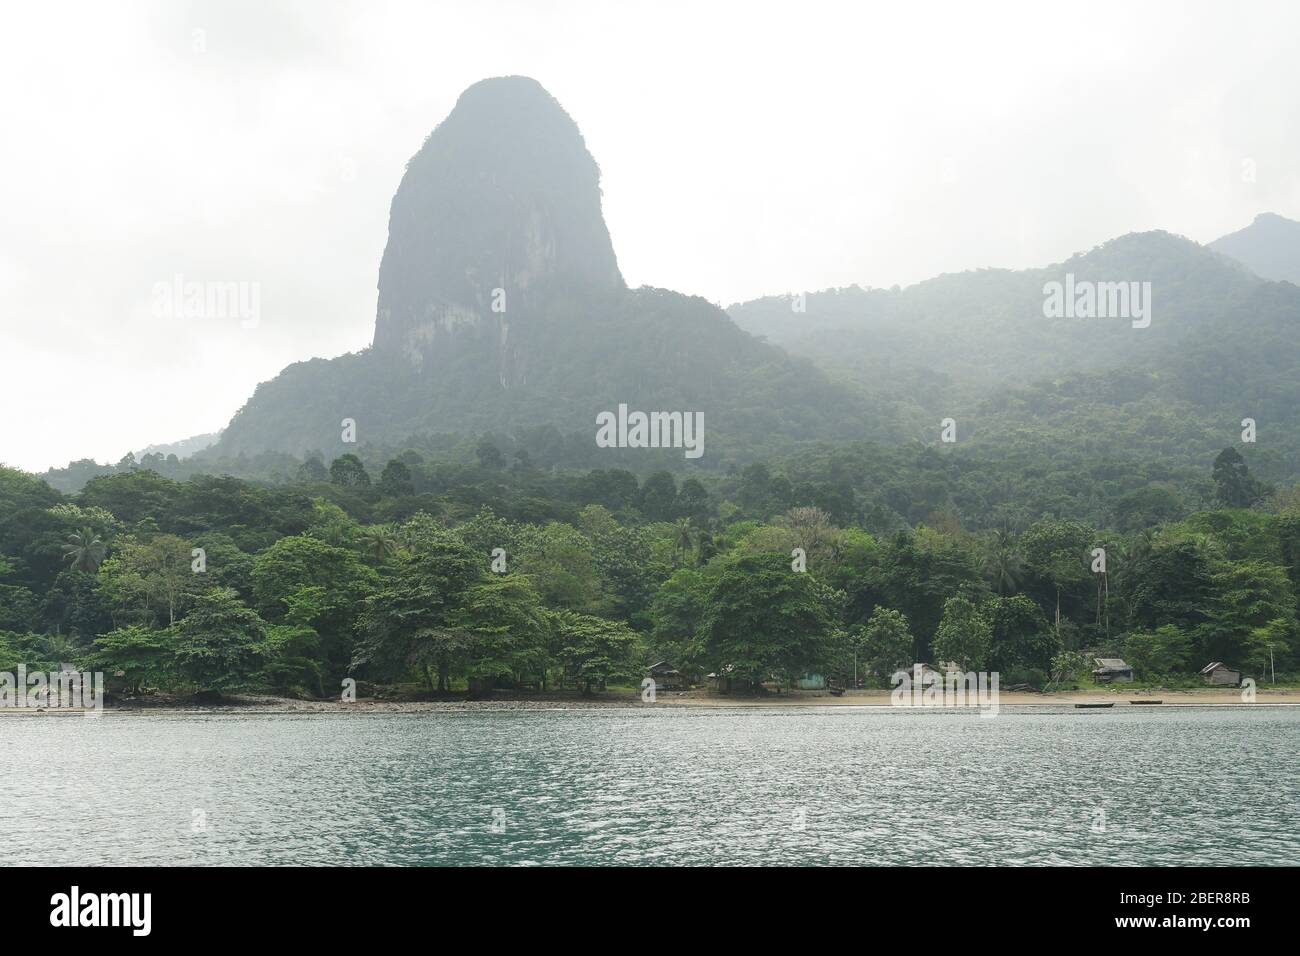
(745, 150)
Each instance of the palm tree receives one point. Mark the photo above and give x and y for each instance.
(683, 537)
(1004, 566)
(85, 551)
(379, 543)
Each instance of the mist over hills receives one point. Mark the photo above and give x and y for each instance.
(502, 311)
(501, 308)
(976, 346)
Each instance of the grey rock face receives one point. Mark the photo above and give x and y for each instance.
(499, 210)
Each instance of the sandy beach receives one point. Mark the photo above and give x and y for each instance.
(695, 699)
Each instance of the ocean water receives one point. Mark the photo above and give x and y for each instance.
(657, 786)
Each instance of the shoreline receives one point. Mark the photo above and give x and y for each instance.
(686, 700)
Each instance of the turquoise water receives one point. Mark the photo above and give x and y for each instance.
(657, 786)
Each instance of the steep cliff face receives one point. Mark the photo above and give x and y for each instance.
(501, 306)
(497, 213)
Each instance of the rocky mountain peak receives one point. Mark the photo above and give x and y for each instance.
(499, 209)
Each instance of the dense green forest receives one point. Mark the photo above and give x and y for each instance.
(502, 572)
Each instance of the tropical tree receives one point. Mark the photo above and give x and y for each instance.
(85, 551)
(1234, 486)
(312, 470)
(1056, 565)
(657, 498)
(221, 643)
(379, 543)
(964, 635)
(593, 650)
(505, 628)
(683, 537)
(676, 611)
(885, 643)
(1019, 634)
(1166, 650)
(764, 620)
(147, 578)
(348, 471)
(415, 619)
(140, 656)
(1004, 564)
(306, 583)
(395, 480)
(1248, 595)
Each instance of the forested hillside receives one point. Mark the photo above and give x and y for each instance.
(494, 575)
(1221, 346)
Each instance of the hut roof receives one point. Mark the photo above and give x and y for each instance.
(1111, 664)
(1215, 665)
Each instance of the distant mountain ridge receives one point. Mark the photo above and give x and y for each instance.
(1222, 345)
(181, 449)
(1269, 247)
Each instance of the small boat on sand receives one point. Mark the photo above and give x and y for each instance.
(1146, 701)
(1083, 706)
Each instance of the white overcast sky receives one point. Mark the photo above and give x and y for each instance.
(746, 149)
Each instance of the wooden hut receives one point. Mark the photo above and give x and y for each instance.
(666, 677)
(721, 681)
(1111, 670)
(1218, 672)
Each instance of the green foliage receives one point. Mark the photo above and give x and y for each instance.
(913, 554)
(677, 610)
(74, 605)
(17, 608)
(348, 471)
(593, 650)
(221, 643)
(38, 652)
(1152, 654)
(1234, 486)
(886, 644)
(150, 581)
(293, 658)
(1248, 595)
(1069, 665)
(85, 551)
(1019, 633)
(306, 583)
(964, 635)
(1169, 583)
(763, 620)
(395, 480)
(312, 470)
(914, 574)
(137, 656)
(411, 618)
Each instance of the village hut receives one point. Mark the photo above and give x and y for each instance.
(1111, 670)
(1218, 672)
